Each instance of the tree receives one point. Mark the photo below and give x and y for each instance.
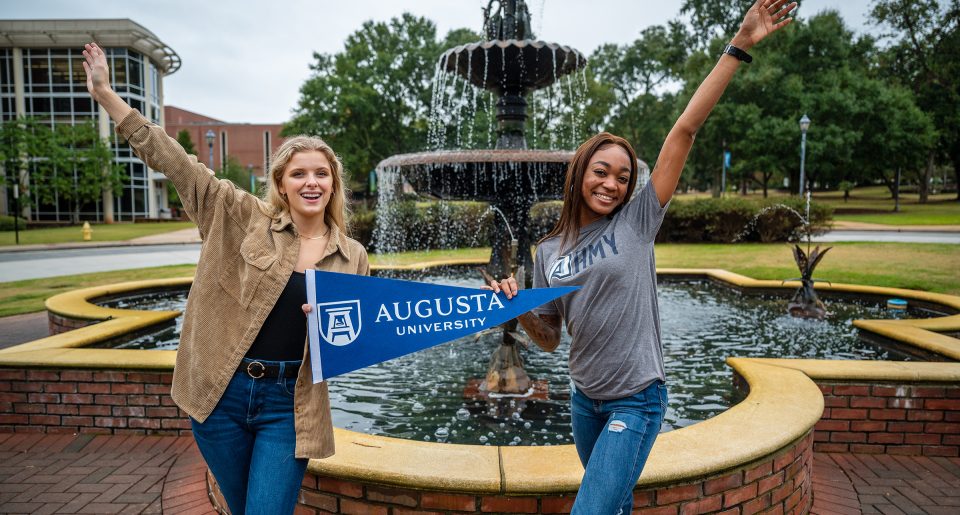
(372, 99)
(68, 162)
(185, 141)
(711, 19)
(923, 55)
(236, 173)
(631, 80)
(815, 67)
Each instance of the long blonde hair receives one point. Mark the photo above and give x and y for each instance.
(568, 226)
(337, 212)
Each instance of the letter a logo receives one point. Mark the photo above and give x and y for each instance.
(339, 321)
(560, 268)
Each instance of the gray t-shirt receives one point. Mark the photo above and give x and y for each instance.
(613, 318)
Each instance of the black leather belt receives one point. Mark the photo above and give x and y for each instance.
(258, 370)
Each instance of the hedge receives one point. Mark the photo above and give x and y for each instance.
(6, 223)
(447, 225)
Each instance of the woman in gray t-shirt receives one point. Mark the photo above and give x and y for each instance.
(603, 243)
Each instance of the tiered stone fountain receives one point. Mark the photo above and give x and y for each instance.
(511, 177)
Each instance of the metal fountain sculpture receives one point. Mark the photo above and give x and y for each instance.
(805, 303)
(511, 177)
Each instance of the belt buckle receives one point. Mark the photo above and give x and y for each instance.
(263, 369)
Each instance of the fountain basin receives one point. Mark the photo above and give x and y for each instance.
(763, 442)
(533, 64)
(484, 174)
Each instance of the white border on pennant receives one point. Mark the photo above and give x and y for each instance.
(313, 326)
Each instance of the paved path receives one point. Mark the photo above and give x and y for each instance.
(33, 264)
(51, 473)
(46, 473)
(890, 236)
(18, 329)
(887, 484)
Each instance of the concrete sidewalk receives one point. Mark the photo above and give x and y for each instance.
(841, 225)
(183, 236)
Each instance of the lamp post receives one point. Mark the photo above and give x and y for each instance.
(210, 135)
(804, 125)
(16, 213)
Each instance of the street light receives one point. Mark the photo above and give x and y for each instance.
(804, 125)
(210, 135)
(16, 213)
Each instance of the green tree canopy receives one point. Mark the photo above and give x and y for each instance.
(924, 55)
(372, 99)
(817, 68)
(68, 162)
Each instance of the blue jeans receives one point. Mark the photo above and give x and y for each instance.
(613, 439)
(248, 442)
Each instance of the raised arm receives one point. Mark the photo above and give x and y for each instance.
(764, 18)
(98, 83)
(199, 189)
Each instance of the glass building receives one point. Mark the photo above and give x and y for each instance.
(41, 77)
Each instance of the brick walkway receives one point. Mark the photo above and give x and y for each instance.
(887, 484)
(48, 473)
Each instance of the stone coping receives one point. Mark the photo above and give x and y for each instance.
(783, 403)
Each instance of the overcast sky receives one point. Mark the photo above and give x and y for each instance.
(244, 60)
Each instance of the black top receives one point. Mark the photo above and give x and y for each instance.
(284, 331)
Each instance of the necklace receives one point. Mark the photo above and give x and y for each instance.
(315, 237)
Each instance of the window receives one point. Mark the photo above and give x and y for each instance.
(56, 94)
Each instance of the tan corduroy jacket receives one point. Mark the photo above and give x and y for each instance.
(245, 262)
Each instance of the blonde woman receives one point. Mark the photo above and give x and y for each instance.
(242, 372)
(603, 243)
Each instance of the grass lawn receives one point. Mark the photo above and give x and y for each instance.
(28, 296)
(101, 232)
(878, 264)
(874, 204)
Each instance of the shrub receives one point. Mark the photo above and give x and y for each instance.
(446, 225)
(6, 223)
(735, 219)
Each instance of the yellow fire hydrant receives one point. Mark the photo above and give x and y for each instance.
(86, 231)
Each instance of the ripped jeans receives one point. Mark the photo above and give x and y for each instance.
(248, 442)
(613, 439)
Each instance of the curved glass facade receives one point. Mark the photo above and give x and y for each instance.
(55, 93)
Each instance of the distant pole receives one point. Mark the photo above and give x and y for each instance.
(723, 175)
(896, 193)
(253, 180)
(16, 213)
(804, 125)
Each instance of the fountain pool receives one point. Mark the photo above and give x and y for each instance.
(422, 396)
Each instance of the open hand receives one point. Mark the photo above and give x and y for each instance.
(98, 72)
(764, 18)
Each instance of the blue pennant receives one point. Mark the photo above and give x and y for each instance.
(358, 321)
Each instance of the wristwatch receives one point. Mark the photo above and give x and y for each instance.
(738, 53)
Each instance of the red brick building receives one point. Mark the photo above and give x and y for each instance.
(250, 144)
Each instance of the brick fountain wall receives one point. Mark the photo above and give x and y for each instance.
(89, 401)
(888, 418)
(879, 417)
